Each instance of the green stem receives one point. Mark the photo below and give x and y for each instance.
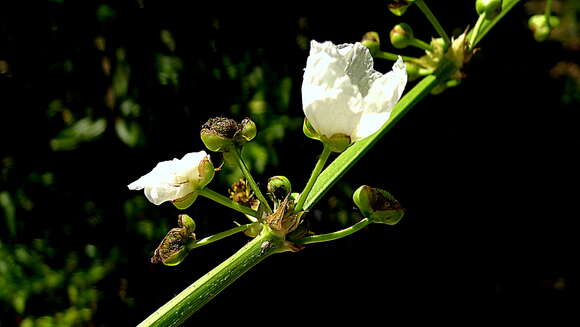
(212, 195)
(475, 30)
(548, 12)
(335, 235)
(487, 25)
(427, 12)
(194, 297)
(421, 44)
(393, 57)
(219, 236)
(317, 169)
(246, 172)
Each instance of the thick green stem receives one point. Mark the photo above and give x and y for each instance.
(218, 236)
(212, 195)
(317, 169)
(246, 172)
(186, 303)
(334, 235)
(427, 12)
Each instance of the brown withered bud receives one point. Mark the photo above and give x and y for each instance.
(378, 205)
(220, 134)
(224, 127)
(174, 246)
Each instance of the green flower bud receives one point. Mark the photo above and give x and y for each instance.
(175, 245)
(309, 130)
(401, 35)
(542, 27)
(246, 132)
(372, 42)
(337, 142)
(399, 7)
(378, 205)
(489, 8)
(279, 187)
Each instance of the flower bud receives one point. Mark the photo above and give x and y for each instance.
(489, 8)
(378, 205)
(372, 42)
(541, 27)
(175, 245)
(399, 7)
(279, 187)
(401, 35)
(246, 131)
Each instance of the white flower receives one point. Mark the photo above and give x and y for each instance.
(175, 179)
(343, 94)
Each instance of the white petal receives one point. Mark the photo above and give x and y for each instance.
(172, 179)
(383, 94)
(330, 101)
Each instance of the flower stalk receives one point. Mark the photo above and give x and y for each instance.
(216, 237)
(334, 235)
(246, 172)
(315, 173)
(433, 20)
(212, 195)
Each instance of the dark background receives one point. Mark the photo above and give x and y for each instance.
(487, 170)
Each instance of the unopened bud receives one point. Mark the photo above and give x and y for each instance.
(399, 7)
(372, 42)
(378, 205)
(542, 27)
(246, 131)
(279, 187)
(401, 35)
(489, 8)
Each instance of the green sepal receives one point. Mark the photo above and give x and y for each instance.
(337, 142)
(309, 130)
(215, 142)
(185, 202)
